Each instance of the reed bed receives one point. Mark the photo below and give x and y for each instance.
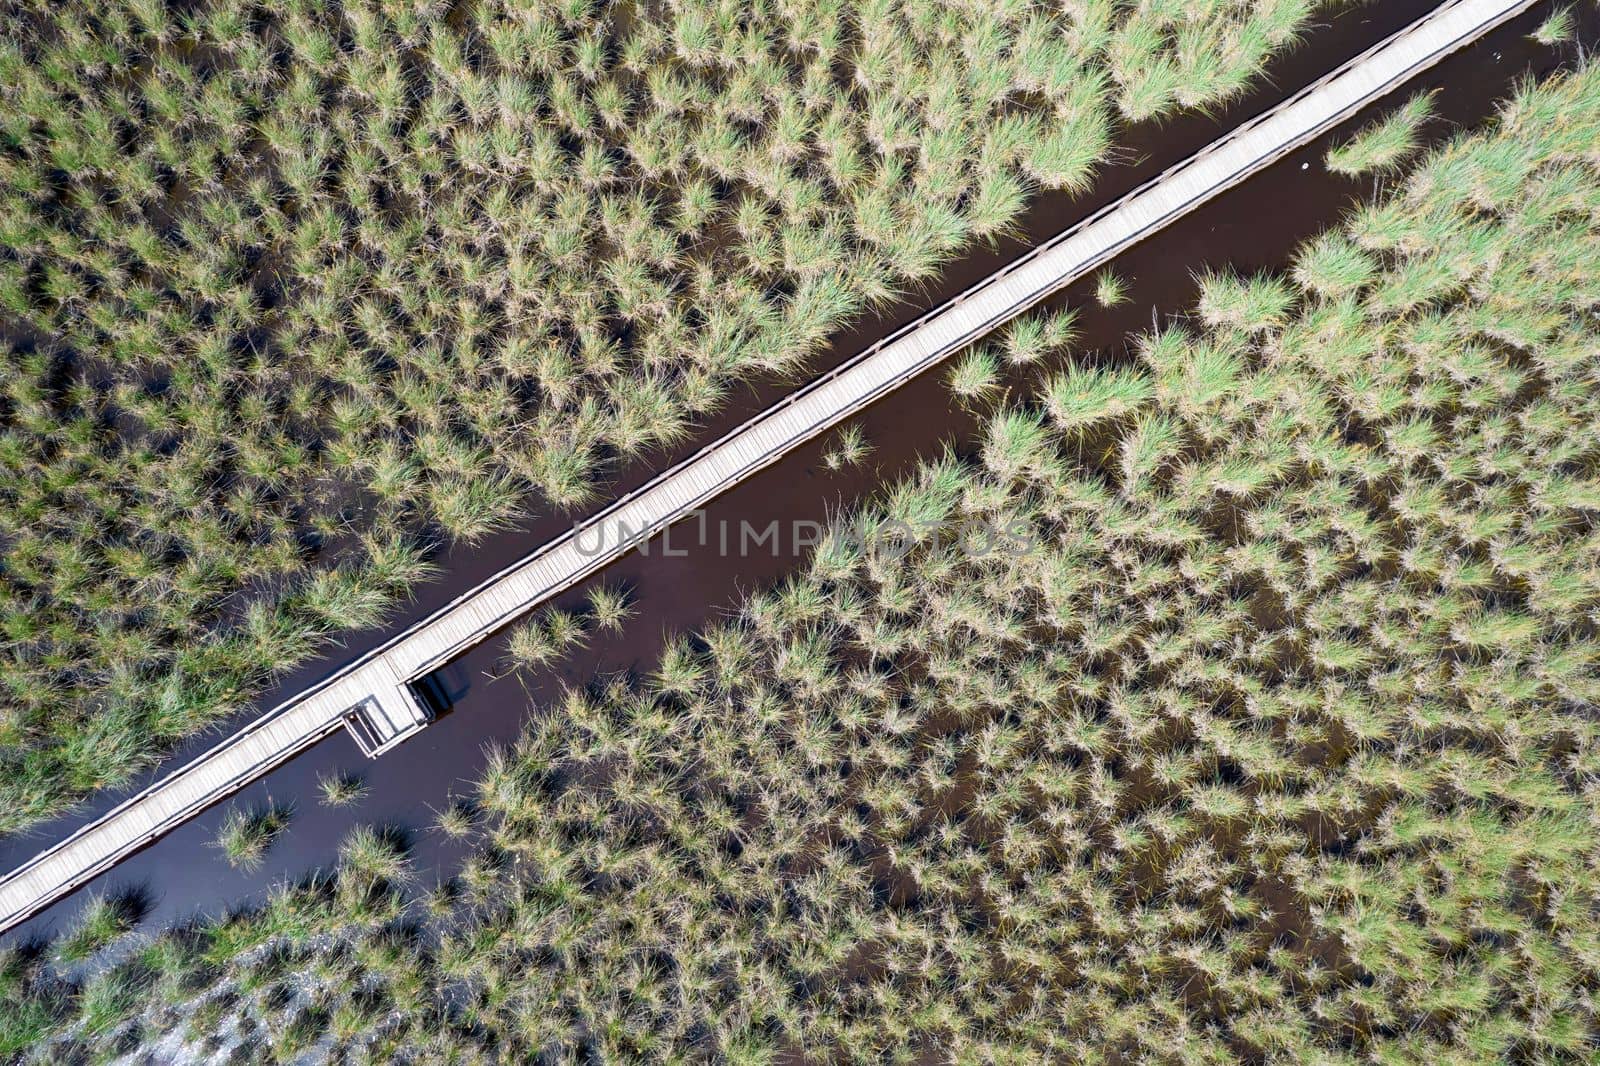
(1263, 731)
(293, 294)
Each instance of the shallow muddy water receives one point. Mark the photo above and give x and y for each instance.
(1253, 227)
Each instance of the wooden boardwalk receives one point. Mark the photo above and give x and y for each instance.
(372, 696)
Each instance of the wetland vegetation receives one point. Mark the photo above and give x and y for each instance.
(247, 833)
(293, 294)
(1273, 740)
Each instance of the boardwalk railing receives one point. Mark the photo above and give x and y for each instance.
(372, 696)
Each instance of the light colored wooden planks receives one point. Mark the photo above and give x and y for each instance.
(800, 416)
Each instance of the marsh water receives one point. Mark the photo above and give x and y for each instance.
(1253, 227)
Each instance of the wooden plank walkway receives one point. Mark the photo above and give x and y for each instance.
(372, 697)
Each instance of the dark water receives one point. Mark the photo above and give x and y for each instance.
(1251, 228)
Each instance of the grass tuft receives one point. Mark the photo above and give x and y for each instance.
(975, 378)
(610, 608)
(1559, 28)
(247, 834)
(1110, 290)
(102, 921)
(849, 448)
(1383, 147)
(341, 789)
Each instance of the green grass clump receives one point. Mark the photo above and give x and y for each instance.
(975, 377)
(296, 296)
(1081, 398)
(610, 608)
(248, 833)
(102, 920)
(1557, 29)
(1333, 265)
(1384, 146)
(26, 1023)
(110, 998)
(1036, 335)
(457, 820)
(1110, 290)
(341, 789)
(543, 639)
(31, 1005)
(849, 448)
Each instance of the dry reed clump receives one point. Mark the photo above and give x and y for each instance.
(1275, 742)
(292, 292)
